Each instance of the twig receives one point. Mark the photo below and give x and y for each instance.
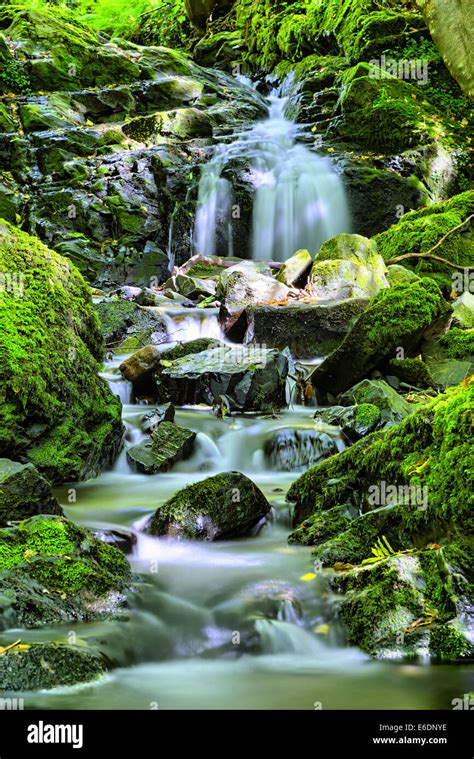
(429, 253)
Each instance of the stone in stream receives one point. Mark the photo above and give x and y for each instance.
(24, 493)
(392, 407)
(53, 571)
(251, 378)
(169, 444)
(354, 421)
(293, 450)
(126, 325)
(347, 266)
(41, 666)
(295, 268)
(192, 287)
(225, 506)
(242, 287)
(397, 318)
(308, 330)
(152, 419)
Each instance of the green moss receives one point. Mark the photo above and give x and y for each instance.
(53, 404)
(413, 371)
(459, 343)
(429, 449)
(63, 557)
(419, 231)
(367, 415)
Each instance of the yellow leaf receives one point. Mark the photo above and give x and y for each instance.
(322, 629)
(307, 578)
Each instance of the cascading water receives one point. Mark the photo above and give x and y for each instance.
(299, 199)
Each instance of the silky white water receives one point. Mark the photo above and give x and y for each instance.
(299, 200)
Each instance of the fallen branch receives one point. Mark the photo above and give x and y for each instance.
(429, 253)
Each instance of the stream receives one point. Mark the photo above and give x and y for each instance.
(186, 642)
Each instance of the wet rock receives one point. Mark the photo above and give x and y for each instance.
(392, 407)
(141, 365)
(407, 606)
(126, 326)
(169, 444)
(192, 287)
(355, 421)
(164, 413)
(119, 539)
(411, 466)
(252, 379)
(308, 330)
(397, 318)
(347, 266)
(47, 316)
(240, 288)
(293, 450)
(226, 506)
(411, 371)
(42, 666)
(24, 493)
(294, 269)
(53, 571)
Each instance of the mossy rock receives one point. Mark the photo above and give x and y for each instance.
(407, 605)
(392, 407)
(42, 666)
(459, 343)
(52, 571)
(55, 410)
(347, 266)
(355, 421)
(419, 231)
(397, 318)
(412, 371)
(24, 493)
(225, 506)
(428, 453)
(169, 444)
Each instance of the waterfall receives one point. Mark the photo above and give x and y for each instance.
(299, 199)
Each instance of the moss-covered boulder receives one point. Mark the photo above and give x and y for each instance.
(52, 571)
(169, 444)
(24, 493)
(347, 266)
(48, 665)
(396, 320)
(226, 506)
(55, 410)
(408, 605)
(420, 231)
(426, 462)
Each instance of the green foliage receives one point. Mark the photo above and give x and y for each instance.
(167, 25)
(459, 343)
(381, 550)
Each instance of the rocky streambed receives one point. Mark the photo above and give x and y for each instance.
(226, 481)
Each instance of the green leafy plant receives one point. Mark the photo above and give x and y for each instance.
(381, 550)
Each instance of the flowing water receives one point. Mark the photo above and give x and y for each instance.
(298, 197)
(188, 641)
